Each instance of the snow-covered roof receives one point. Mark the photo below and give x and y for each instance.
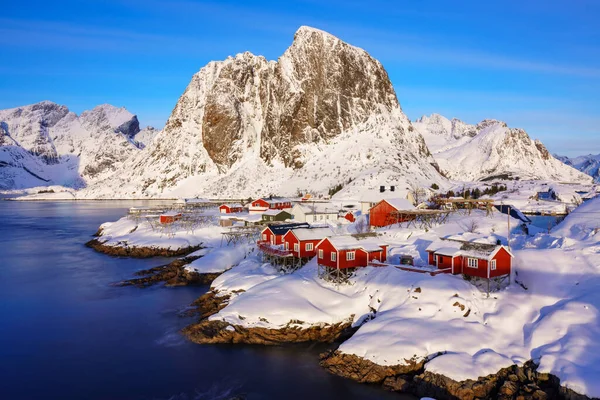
(375, 196)
(477, 248)
(274, 212)
(251, 217)
(400, 204)
(312, 233)
(317, 208)
(192, 201)
(235, 205)
(275, 200)
(170, 214)
(349, 242)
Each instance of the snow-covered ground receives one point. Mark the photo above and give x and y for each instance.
(141, 233)
(552, 316)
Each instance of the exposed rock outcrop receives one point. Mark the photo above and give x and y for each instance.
(246, 123)
(172, 274)
(515, 382)
(210, 332)
(124, 250)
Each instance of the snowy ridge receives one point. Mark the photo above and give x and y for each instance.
(323, 114)
(64, 149)
(490, 150)
(589, 164)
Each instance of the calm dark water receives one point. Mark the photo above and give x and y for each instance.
(65, 333)
(545, 221)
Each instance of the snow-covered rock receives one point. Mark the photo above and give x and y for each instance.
(45, 143)
(490, 150)
(325, 113)
(589, 164)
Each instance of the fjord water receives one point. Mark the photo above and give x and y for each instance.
(66, 333)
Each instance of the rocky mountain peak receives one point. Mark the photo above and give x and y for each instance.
(249, 113)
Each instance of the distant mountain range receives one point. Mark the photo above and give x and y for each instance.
(323, 116)
(589, 164)
(46, 144)
(490, 150)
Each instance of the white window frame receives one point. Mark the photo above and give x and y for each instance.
(471, 260)
(296, 247)
(333, 256)
(309, 247)
(493, 265)
(321, 253)
(287, 245)
(350, 256)
(264, 237)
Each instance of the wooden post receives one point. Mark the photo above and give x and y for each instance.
(508, 235)
(488, 288)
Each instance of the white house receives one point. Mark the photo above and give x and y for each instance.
(315, 212)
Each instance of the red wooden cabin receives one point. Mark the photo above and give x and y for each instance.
(169, 217)
(303, 242)
(274, 234)
(471, 259)
(275, 203)
(349, 252)
(231, 208)
(381, 214)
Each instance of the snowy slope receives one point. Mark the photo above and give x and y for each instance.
(589, 164)
(490, 150)
(325, 113)
(441, 134)
(64, 149)
(554, 315)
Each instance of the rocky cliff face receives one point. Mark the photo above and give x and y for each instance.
(246, 125)
(63, 148)
(490, 150)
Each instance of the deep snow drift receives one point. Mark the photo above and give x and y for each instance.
(551, 315)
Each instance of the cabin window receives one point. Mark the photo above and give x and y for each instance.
(265, 237)
(321, 218)
(309, 246)
(287, 245)
(296, 247)
(321, 253)
(493, 265)
(350, 256)
(440, 259)
(472, 263)
(333, 256)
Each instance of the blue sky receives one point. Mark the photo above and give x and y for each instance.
(534, 64)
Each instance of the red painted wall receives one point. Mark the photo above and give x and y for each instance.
(503, 263)
(327, 250)
(360, 259)
(378, 215)
(480, 271)
(260, 203)
(225, 209)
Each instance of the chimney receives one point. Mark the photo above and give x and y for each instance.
(381, 189)
(392, 188)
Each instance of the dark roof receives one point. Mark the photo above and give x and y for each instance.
(282, 229)
(514, 212)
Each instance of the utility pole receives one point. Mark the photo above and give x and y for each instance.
(508, 219)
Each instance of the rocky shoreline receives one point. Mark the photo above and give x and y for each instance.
(172, 274)
(514, 382)
(139, 252)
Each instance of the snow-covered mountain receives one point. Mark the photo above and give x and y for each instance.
(44, 143)
(589, 164)
(491, 150)
(325, 113)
